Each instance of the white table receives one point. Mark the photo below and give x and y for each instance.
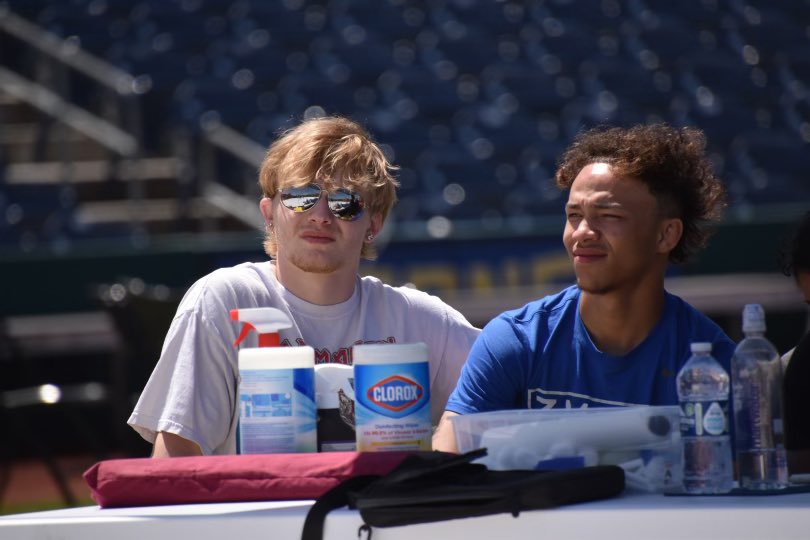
(623, 518)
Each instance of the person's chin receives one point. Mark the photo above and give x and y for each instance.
(593, 287)
(316, 265)
(323, 269)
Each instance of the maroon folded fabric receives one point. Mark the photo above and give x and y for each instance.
(265, 477)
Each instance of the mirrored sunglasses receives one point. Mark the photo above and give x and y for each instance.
(343, 203)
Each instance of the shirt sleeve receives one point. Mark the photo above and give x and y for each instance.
(493, 377)
(460, 336)
(191, 392)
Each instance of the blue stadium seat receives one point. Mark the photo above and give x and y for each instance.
(698, 13)
(472, 54)
(535, 91)
(593, 14)
(634, 85)
(366, 61)
(386, 20)
(571, 41)
(673, 41)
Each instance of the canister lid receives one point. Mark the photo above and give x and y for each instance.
(390, 353)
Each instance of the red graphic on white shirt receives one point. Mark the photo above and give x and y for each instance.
(342, 355)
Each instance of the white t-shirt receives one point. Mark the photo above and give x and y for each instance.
(193, 388)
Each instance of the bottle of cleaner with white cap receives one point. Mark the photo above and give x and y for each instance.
(277, 412)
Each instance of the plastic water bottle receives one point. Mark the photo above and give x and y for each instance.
(703, 388)
(756, 379)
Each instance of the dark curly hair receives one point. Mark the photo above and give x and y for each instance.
(795, 254)
(671, 161)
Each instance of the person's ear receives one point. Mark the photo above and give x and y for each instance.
(669, 234)
(266, 206)
(374, 226)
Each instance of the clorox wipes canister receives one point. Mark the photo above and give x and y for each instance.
(392, 397)
(277, 412)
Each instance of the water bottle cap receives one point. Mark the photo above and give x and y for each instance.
(701, 347)
(753, 317)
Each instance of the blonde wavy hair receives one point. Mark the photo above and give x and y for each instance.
(319, 150)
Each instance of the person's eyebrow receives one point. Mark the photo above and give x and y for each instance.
(602, 205)
(613, 205)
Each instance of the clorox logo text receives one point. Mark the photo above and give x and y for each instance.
(395, 393)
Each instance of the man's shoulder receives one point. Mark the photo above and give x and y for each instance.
(376, 289)
(539, 318)
(549, 306)
(694, 325)
(247, 273)
(243, 269)
(684, 311)
(376, 292)
(234, 284)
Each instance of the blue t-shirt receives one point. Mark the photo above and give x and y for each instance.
(541, 356)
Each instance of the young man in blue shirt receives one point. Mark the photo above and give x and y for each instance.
(637, 200)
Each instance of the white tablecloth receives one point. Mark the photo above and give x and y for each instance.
(622, 518)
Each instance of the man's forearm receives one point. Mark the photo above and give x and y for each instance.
(171, 445)
(444, 439)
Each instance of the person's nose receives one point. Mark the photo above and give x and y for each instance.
(584, 230)
(320, 212)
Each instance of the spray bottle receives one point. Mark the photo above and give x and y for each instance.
(276, 388)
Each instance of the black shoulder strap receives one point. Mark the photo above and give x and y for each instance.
(423, 464)
(336, 497)
(412, 466)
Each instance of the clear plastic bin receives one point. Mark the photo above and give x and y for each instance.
(644, 441)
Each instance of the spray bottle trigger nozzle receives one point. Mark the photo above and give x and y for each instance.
(246, 328)
(265, 321)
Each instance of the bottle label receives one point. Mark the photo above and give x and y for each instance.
(700, 418)
(277, 411)
(392, 407)
(757, 412)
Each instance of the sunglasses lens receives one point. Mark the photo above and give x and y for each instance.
(300, 199)
(345, 204)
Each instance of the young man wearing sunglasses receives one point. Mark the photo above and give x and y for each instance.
(327, 190)
(637, 199)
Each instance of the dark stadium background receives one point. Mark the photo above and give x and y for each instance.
(131, 132)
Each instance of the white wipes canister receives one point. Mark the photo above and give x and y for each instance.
(392, 397)
(277, 400)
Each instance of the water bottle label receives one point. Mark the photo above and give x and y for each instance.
(714, 421)
(704, 418)
(277, 411)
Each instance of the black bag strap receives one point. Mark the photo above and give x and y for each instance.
(429, 463)
(336, 497)
(411, 467)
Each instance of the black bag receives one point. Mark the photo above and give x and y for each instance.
(436, 486)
